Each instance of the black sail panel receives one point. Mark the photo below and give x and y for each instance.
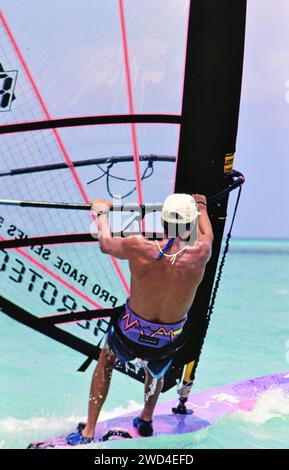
(211, 102)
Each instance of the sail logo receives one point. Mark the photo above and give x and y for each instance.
(7, 86)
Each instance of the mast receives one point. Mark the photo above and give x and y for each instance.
(209, 124)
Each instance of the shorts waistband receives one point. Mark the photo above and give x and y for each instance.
(148, 333)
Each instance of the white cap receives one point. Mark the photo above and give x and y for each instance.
(180, 209)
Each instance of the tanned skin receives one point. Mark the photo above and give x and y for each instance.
(160, 292)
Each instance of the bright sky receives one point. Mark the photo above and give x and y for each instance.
(263, 141)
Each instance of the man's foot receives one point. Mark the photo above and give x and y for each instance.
(144, 428)
(76, 438)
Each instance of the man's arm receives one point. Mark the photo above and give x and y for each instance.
(114, 246)
(205, 232)
(205, 227)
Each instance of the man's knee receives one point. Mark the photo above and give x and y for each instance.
(151, 377)
(107, 356)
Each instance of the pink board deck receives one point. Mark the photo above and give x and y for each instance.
(208, 406)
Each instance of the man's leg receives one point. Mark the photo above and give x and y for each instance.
(151, 398)
(99, 388)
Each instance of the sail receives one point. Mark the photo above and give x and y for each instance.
(121, 99)
(86, 60)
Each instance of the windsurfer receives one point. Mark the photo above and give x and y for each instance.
(165, 276)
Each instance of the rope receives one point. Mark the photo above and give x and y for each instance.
(148, 172)
(173, 256)
(223, 259)
(218, 277)
(149, 168)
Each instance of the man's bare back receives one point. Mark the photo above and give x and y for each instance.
(162, 292)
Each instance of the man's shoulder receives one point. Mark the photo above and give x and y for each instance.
(138, 243)
(200, 251)
(135, 241)
(204, 250)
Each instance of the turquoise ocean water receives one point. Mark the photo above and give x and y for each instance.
(42, 395)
